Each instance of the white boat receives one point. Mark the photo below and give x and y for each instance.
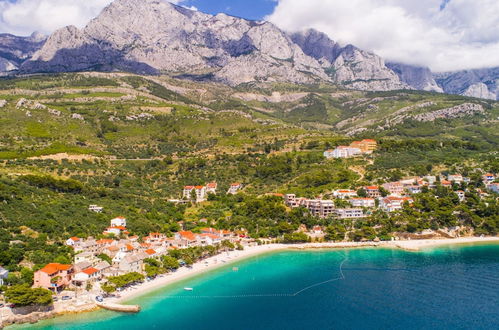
(188, 289)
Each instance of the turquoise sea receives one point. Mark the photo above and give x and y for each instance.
(454, 287)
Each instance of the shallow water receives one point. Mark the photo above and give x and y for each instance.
(454, 287)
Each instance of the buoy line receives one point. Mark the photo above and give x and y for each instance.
(342, 277)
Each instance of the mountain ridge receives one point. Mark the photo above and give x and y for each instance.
(154, 37)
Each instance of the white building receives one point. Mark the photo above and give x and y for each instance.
(494, 187)
(342, 152)
(458, 178)
(349, 213)
(344, 193)
(362, 202)
(393, 203)
(118, 222)
(317, 207)
(95, 208)
(234, 188)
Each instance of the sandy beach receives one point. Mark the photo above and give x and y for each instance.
(234, 256)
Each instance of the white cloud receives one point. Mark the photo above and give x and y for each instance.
(22, 17)
(463, 35)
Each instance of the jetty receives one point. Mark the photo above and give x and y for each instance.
(120, 308)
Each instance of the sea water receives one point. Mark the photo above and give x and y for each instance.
(454, 287)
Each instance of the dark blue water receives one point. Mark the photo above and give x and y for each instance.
(445, 288)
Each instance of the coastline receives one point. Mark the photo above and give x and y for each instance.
(228, 258)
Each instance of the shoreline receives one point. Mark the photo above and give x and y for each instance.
(228, 258)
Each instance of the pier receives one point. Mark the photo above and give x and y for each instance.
(120, 308)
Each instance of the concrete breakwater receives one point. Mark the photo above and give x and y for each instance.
(120, 308)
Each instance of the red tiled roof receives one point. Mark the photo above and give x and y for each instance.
(212, 236)
(150, 252)
(188, 187)
(54, 268)
(129, 247)
(74, 238)
(372, 187)
(90, 271)
(188, 235)
(211, 185)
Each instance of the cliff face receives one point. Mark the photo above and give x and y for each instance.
(15, 50)
(482, 83)
(420, 78)
(348, 65)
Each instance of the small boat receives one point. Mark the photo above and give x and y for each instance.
(188, 289)
(235, 269)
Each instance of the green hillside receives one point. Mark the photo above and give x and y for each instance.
(130, 143)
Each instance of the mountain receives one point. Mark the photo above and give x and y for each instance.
(349, 65)
(420, 78)
(151, 36)
(15, 50)
(481, 83)
(156, 37)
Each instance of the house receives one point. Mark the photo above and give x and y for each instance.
(102, 266)
(115, 230)
(394, 188)
(344, 193)
(234, 188)
(372, 191)
(291, 200)
(342, 152)
(488, 178)
(211, 188)
(86, 275)
(155, 238)
(79, 266)
(4, 273)
(95, 208)
(446, 183)
(118, 222)
(353, 213)
(133, 262)
(366, 146)
(317, 207)
(53, 276)
(85, 256)
(72, 241)
(461, 194)
(317, 230)
(199, 192)
(320, 208)
(362, 202)
(393, 203)
(88, 245)
(209, 239)
(413, 189)
(431, 179)
(458, 178)
(187, 238)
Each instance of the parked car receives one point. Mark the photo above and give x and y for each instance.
(66, 298)
(99, 299)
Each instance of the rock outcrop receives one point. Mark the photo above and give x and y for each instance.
(462, 110)
(15, 50)
(480, 90)
(420, 78)
(470, 82)
(350, 66)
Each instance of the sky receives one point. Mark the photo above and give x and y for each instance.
(445, 35)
